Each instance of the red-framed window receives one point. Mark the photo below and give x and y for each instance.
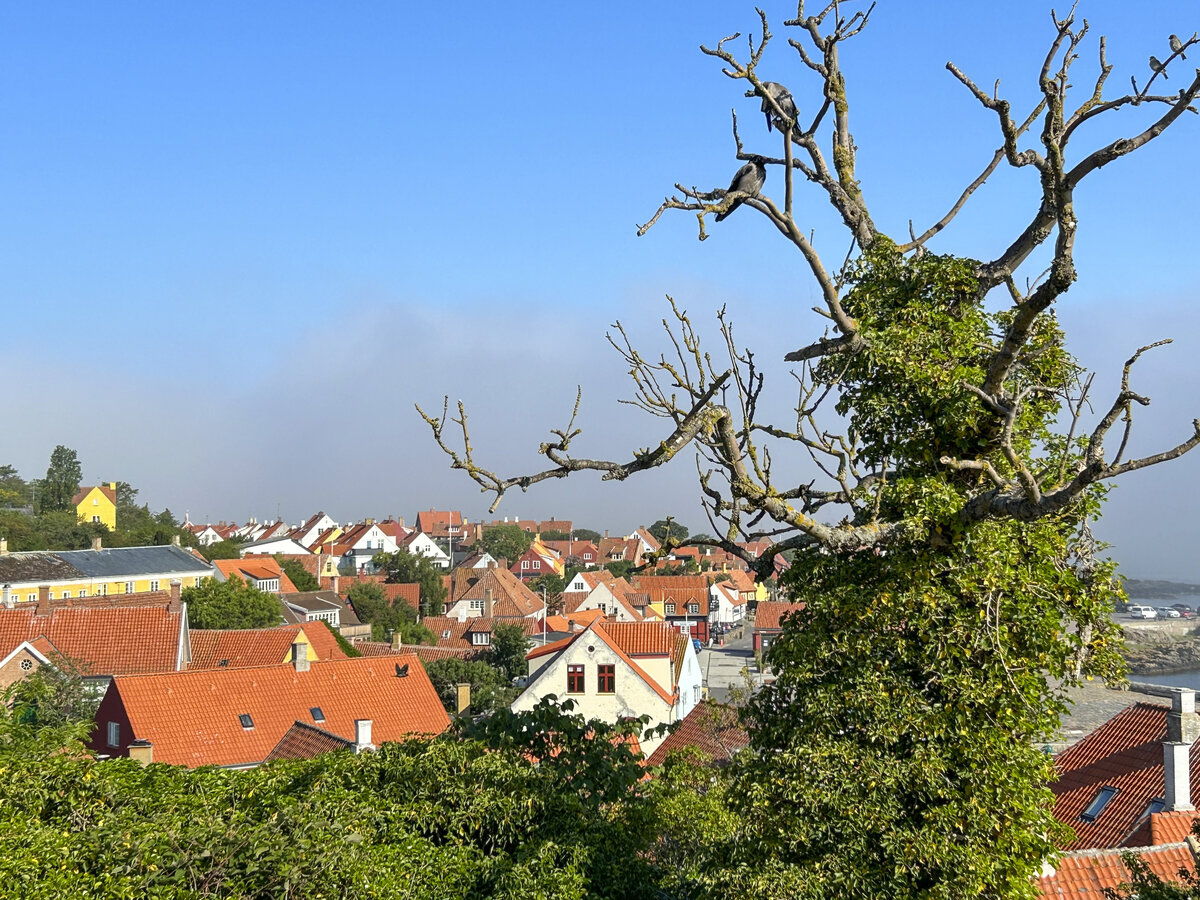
(606, 679)
(574, 679)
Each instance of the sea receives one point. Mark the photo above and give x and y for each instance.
(1188, 679)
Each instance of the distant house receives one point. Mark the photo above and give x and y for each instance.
(576, 553)
(1086, 874)
(474, 632)
(537, 561)
(249, 647)
(601, 591)
(492, 592)
(313, 606)
(682, 600)
(97, 504)
(768, 621)
(421, 544)
(712, 729)
(269, 546)
(441, 524)
(307, 533)
(358, 545)
(728, 604)
(615, 671)
(235, 718)
(263, 573)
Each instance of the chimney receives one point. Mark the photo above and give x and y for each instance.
(142, 751)
(96, 544)
(488, 603)
(43, 607)
(175, 540)
(1183, 727)
(7, 596)
(112, 485)
(176, 595)
(464, 696)
(300, 657)
(333, 583)
(492, 564)
(3, 546)
(397, 640)
(362, 736)
(606, 532)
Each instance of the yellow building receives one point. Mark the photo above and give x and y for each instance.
(97, 504)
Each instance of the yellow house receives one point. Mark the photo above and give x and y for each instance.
(97, 504)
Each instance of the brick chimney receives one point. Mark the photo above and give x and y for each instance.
(334, 581)
(97, 544)
(176, 596)
(464, 696)
(362, 735)
(488, 603)
(43, 607)
(300, 656)
(1183, 727)
(142, 751)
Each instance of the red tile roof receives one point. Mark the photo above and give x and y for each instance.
(117, 640)
(258, 568)
(1126, 752)
(638, 639)
(192, 718)
(460, 631)
(677, 589)
(103, 488)
(304, 741)
(510, 596)
(1085, 874)
(712, 728)
(258, 646)
(626, 639)
(771, 612)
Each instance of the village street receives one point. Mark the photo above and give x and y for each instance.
(729, 666)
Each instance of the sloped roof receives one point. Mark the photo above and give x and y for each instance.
(771, 612)
(258, 568)
(82, 493)
(114, 563)
(1125, 753)
(304, 741)
(677, 589)
(510, 596)
(192, 718)
(461, 631)
(638, 639)
(626, 638)
(1085, 874)
(712, 728)
(116, 640)
(239, 648)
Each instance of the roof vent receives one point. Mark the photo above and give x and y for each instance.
(246, 721)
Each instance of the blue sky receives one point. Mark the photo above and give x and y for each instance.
(239, 241)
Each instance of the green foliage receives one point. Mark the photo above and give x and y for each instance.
(490, 689)
(14, 490)
(403, 567)
(52, 697)
(1145, 885)
(551, 581)
(348, 648)
(586, 534)
(230, 549)
(385, 619)
(508, 649)
(668, 527)
(505, 542)
(230, 604)
(299, 576)
(619, 567)
(556, 536)
(54, 492)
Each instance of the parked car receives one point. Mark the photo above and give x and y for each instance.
(1184, 610)
(1142, 612)
(1169, 612)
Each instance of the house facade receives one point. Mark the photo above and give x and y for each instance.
(97, 572)
(97, 504)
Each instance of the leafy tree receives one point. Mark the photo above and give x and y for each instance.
(555, 536)
(953, 587)
(664, 528)
(505, 542)
(297, 574)
(1145, 885)
(54, 492)
(231, 604)
(403, 567)
(508, 649)
(14, 490)
(490, 689)
(371, 606)
(586, 534)
(227, 549)
(551, 581)
(53, 696)
(619, 567)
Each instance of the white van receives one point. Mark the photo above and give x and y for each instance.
(1143, 612)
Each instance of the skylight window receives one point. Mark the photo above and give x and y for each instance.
(246, 721)
(1156, 806)
(317, 715)
(1092, 813)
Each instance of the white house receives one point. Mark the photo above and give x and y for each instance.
(420, 544)
(307, 533)
(727, 604)
(607, 594)
(281, 543)
(360, 543)
(618, 670)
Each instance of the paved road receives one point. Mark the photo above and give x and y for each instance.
(729, 666)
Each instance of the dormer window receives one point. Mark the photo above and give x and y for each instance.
(481, 638)
(1092, 813)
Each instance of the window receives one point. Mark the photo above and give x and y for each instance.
(480, 638)
(114, 734)
(670, 609)
(606, 679)
(696, 694)
(477, 604)
(246, 721)
(317, 714)
(129, 587)
(66, 595)
(102, 590)
(524, 564)
(83, 593)
(1092, 813)
(95, 502)
(26, 665)
(95, 520)
(574, 679)
(445, 633)
(154, 585)
(693, 609)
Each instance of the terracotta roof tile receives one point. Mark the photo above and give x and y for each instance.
(771, 612)
(304, 741)
(677, 589)
(192, 718)
(101, 641)
(711, 728)
(1085, 874)
(239, 648)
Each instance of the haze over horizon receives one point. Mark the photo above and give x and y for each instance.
(241, 242)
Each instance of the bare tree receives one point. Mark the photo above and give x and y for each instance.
(711, 401)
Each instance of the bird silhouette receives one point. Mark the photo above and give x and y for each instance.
(1158, 67)
(401, 670)
(748, 180)
(783, 99)
(1177, 46)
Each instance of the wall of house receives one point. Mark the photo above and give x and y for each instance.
(111, 709)
(632, 697)
(691, 683)
(96, 505)
(24, 592)
(21, 666)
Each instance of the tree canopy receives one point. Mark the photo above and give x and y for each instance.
(61, 483)
(505, 542)
(230, 604)
(403, 567)
(386, 619)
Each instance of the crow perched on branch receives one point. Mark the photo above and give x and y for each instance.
(748, 180)
(783, 99)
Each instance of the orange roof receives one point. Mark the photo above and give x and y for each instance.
(1125, 753)
(711, 728)
(771, 612)
(640, 637)
(102, 488)
(1085, 874)
(677, 589)
(116, 640)
(637, 639)
(239, 648)
(258, 568)
(192, 718)
(460, 631)
(304, 741)
(510, 596)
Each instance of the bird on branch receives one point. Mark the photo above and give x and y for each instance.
(783, 99)
(748, 181)
(1158, 67)
(1177, 46)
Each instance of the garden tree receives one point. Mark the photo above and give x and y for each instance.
(54, 492)
(505, 542)
(14, 491)
(555, 536)
(586, 534)
(951, 580)
(230, 604)
(490, 689)
(403, 567)
(385, 619)
(551, 582)
(297, 574)
(668, 529)
(508, 649)
(52, 696)
(619, 567)
(227, 549)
